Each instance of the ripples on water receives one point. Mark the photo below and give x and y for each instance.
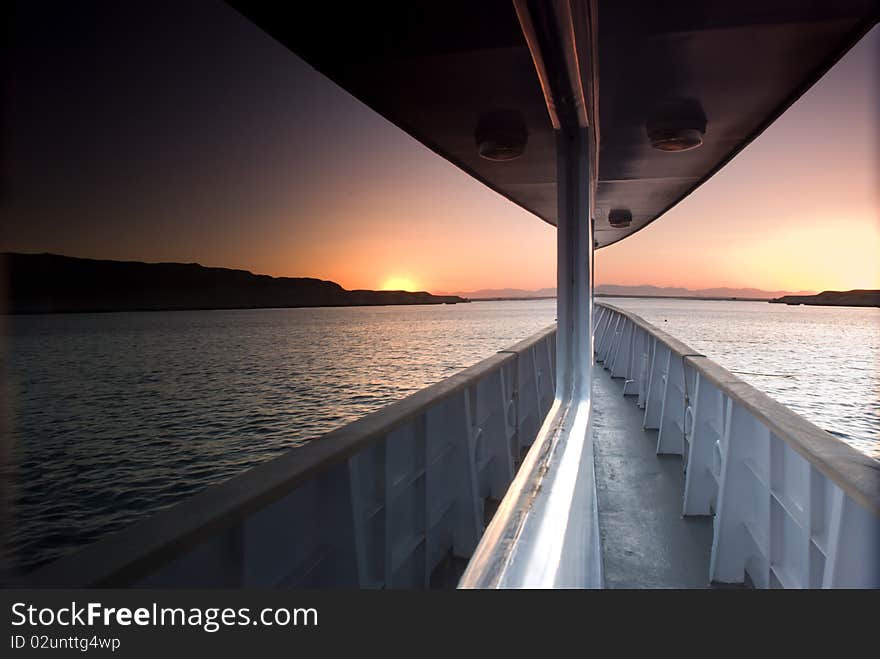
(115, 416)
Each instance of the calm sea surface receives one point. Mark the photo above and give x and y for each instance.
(115, 416)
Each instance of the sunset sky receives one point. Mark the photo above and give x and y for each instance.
(139, 142)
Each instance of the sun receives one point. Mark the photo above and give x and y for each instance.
(399, 284)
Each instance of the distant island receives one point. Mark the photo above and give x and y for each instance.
(50, 283)
(856, 298)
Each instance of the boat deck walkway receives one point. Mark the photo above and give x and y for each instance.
(646, 541)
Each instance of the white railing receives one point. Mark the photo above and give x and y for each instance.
(794, 506)
(545, 533)
(379, 503)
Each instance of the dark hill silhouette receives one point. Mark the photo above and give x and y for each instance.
(854, 298)
(49, 283)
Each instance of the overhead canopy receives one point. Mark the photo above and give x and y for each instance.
(436, 70)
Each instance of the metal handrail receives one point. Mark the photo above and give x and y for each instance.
(545, 532)
(854, 472)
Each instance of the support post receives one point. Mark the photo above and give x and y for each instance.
(574, 266)
(545, 533)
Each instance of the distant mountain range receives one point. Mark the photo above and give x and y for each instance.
(636, 291)
(723, 293)
(49, 283)
(505, 293)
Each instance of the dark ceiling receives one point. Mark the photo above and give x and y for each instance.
(434, 70)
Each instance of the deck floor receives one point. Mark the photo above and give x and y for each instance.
(646, 542)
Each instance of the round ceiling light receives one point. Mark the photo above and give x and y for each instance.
(501, 135)
(678, 139)
(620, 218)
(677, 125)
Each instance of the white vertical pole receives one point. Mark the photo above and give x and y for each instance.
(574, 265)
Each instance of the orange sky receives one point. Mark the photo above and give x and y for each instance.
(260, 163)
(797, 210)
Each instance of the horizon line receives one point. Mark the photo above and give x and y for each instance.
(446, 291)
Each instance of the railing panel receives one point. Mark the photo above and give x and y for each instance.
(405, 506)
(854, 545)
(529, 415)
(281, 537)
(704, 457)
(660, 355)
(604, 326)
(544, 383)
(494, 460)
(216, 562)
(621, 361)
(643, 368)
(608, 338)
(670, 438)
(454, 510)
(633, 374)
(367, 486)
